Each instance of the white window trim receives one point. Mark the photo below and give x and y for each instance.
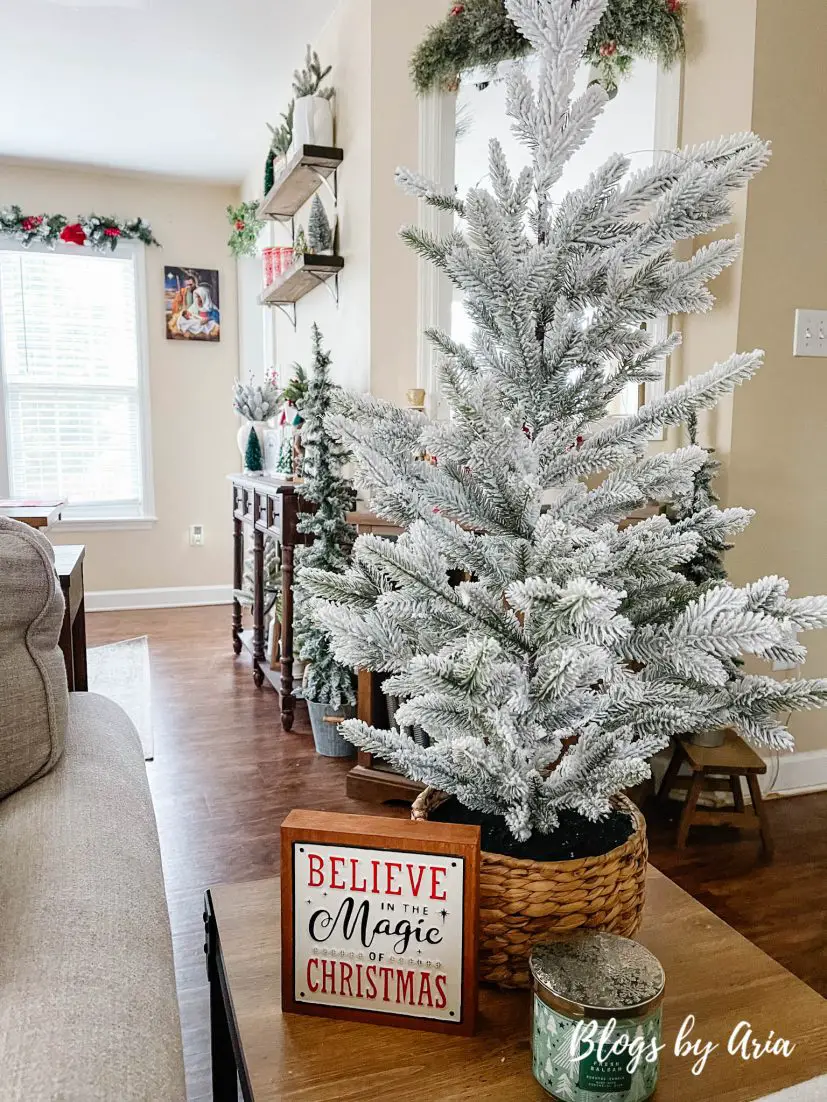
(437, 145)
(84, 518)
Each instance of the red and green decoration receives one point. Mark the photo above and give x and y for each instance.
(478, 34)
(93, 231)
(245, 227)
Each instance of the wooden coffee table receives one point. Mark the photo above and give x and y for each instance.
(711, 972)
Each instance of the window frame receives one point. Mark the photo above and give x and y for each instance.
(437, 144)
(106, 515)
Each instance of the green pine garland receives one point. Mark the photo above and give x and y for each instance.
(246, 226)
(479, 34)
(95, 231)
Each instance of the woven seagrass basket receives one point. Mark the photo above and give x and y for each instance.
(524, 902)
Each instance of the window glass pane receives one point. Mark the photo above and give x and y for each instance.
(627, 126)
(70, 318)
(80, 444)
(70, 362)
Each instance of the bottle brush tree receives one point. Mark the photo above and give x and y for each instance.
(572, 650)
(327, 681)
(319, 233)
(252, 457)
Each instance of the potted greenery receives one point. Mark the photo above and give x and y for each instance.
(313, 114)
(329, 686)
(573, 648)
(257, 404)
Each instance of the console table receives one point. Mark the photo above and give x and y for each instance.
(267, 507)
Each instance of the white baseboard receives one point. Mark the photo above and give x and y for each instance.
(796, 774)
(124, 600)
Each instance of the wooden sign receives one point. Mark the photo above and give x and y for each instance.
(380, 920)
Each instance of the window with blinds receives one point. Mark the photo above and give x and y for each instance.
(73, 380)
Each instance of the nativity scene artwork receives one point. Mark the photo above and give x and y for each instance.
(192, 304)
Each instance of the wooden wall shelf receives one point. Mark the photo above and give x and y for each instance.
(299, 181)
(303, 277)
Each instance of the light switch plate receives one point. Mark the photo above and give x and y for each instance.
(810, 333)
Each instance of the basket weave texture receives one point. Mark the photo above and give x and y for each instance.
(523, 903)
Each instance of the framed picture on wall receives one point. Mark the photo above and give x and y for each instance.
(192, 304)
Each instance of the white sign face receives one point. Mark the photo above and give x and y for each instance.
(378, 930)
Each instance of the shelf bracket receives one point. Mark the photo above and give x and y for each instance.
(289, 311)
(333, 189)
(332, 285)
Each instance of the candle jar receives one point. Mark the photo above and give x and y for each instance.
(596, 1019)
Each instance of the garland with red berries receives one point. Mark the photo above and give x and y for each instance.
(93, 231)
(478, 34)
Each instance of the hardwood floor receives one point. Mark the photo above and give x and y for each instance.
(225, 775)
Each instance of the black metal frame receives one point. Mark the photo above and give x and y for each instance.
(229, 1069)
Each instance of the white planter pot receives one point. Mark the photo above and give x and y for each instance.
(244, 436)
(312, 122)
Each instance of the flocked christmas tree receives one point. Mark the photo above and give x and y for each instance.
(572, 650)
(319, 233)
(326, 681)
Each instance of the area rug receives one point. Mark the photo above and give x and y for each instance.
(121, 672)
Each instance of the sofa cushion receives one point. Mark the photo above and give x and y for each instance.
(88, 1009)
(33, 696)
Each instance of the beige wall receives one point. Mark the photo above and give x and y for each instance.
(758, 64)
(193, 426)
(372, 334)
(779, 445)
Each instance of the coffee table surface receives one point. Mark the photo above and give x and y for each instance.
(712, 973)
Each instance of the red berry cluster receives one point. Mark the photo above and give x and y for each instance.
(458, 9)
(112, 231)
(608, 49)
(674, 6)
(31, 223)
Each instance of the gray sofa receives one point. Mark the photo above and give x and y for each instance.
(88, 1008)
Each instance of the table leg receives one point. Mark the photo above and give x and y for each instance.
(224, 1074)
(692, 797)
(66, 641)
(238, 579)
(258, 607)
(79, 648)
(288, 701)
(671, 774)
(760, 809)
(737, 792)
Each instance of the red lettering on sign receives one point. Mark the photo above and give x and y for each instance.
(387, 975)
(393, 867)
(375, 867)
(370, 973)
(405, 987)
(416, 884)
(316, 865)
(354, 868)
(334, 872)
(435, 884)
(442, 998)
(313, 986)
(329, 973)
(425, 997)
(347, 972)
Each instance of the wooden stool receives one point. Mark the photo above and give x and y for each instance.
(719, 769)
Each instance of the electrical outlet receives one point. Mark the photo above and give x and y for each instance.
(810, 333)
(196, 535)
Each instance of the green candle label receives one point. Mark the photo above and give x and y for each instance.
(574, 1070)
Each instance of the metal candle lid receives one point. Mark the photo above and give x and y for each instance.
(598, 976)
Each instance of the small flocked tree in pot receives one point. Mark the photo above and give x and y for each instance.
(572, 649)
(329, 685)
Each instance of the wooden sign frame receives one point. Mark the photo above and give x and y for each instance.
(366, 832)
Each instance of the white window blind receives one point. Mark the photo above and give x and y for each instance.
(73, 380)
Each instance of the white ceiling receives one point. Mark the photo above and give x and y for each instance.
(182, 87)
